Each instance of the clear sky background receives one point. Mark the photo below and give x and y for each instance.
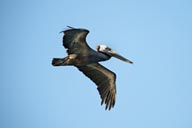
(155, 92)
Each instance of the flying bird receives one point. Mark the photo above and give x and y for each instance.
(87, 61)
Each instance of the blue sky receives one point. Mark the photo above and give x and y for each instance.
(155, 92)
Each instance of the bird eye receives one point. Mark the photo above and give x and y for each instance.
(108, 48)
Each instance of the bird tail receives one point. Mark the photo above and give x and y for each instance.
(58, 62)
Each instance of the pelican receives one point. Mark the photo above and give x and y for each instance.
(87, 61)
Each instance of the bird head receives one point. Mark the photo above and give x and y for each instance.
(102, 48)
(105, 49)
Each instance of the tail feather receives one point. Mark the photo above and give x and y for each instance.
(58, 62)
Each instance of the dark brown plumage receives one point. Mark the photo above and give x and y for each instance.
(105, 81)
(86, 60)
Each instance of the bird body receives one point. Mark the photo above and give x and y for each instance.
(80, 59)
(87, 61)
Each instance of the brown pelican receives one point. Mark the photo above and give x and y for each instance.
(87, 61)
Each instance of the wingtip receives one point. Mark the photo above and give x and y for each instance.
(108, 106)
(70, 27)
(62, 31)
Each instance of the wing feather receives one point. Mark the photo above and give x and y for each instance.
(105, 81)
(75, 40)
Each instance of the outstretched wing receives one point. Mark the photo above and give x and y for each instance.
(105, 81)
(75, 40)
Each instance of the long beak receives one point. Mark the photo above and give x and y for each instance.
(114, 54)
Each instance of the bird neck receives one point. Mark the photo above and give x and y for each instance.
(103, 56)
